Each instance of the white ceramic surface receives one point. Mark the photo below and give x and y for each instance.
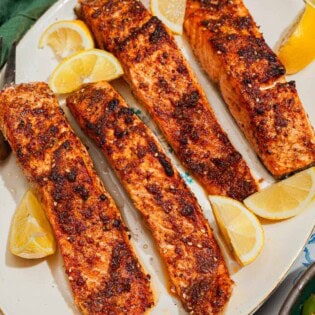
(40, 287)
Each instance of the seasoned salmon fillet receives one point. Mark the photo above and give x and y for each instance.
(192, 257)
(162, 80)
(102, 268)
(230, 47)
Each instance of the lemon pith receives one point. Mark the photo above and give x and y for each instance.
(67, 37)
(86, 66)
(284, 199)
(299, 49)
(240, 228)
(171, 13)
(31, 235)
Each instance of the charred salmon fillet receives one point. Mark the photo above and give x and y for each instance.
(103, 271)
(162, 80)
(230, 47)
(193, 259)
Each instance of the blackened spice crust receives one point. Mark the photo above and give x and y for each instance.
(231, 48)
(84, 218)
(164, 83)
(173, 214)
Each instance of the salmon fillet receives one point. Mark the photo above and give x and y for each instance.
(102, 268)
(185, 241)
(162, 80)
(233, 52)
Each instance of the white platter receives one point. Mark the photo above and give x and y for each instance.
(40, 287)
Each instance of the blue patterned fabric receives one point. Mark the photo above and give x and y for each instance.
(305, 259)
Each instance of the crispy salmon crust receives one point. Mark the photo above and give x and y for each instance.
(185, 241)
(103, 271)
(163, 81)
(233, 52)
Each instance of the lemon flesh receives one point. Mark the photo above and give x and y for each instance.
(86, 66)
(284, 199)
(67, 38)
(299, 50)
(240, 228)
(171, 13)
(31, 235)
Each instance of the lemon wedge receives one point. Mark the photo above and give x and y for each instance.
(31, 236)
(171, 13)
(67, 37)
(284, 199)
(239, 227)
(299, 49)
(86, 66)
